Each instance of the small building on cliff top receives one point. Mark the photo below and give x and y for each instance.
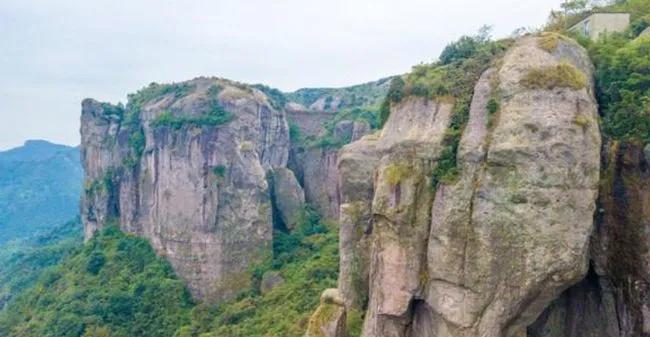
(598, 23)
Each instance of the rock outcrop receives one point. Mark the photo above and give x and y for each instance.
(485, 254)
(288, 197)
(185, 166)
(613, 300)
(330, 317)
(316, 166)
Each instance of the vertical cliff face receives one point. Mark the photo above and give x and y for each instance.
(185, 165)
(484, 254)
(613, 299)
(316, 166)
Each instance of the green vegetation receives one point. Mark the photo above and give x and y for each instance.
(563, 75)
(137, 143)
(493, 105)
(330, 140)
(362, 95)
(623, 85)
(276, 97)
(395, 173)
(450, 80)
(549, 41)
(622, 61)
(24, 260)
(215, 117)
(114, 285)
(307, 259)
(156, 91)
(394, 95)
(40, 185)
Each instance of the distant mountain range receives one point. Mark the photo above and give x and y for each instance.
(40, 185)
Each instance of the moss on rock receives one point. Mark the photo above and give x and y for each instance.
(562, 75)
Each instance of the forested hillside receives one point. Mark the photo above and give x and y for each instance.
(40, 186)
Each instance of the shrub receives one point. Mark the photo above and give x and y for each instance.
(493, 105)
(95, 262)
(549, 41)
(277, 99)
(395, 173)
(394, 95)
(215, 117)
(562, 75)
(219, 171)
(623, 86)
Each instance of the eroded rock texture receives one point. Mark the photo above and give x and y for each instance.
(316, 166)
(485, 254)
(613, 300)
(198, 191)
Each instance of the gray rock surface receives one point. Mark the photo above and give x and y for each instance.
(198, 193)
(329, 319)
(613, 300)
(483, 255)
(288, 197)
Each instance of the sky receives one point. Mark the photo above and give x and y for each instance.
(53, 54)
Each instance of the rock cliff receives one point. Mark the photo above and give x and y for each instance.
(484, 254)
(613, 299)
(535, 229)
(201, 168)
(185, 165)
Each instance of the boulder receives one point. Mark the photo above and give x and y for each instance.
(270, 280)
(288, 197)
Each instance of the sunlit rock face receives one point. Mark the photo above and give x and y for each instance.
(197, 190)
(485, 254)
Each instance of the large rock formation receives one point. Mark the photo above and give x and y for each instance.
(185, 166)
(485, 254)
(316, 166)
(613, 300)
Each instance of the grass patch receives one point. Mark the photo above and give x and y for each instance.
(550, 40)
(395, 173)
(217, 116)
(219, 171)
(562, 75)
(581, 121)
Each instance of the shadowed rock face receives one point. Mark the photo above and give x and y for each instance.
(613, 300)
(198, 192)
(484, 255)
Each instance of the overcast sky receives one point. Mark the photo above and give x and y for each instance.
(54, 53)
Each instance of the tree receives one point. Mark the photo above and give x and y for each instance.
(574, 6)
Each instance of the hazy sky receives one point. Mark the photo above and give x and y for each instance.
(54, 53)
